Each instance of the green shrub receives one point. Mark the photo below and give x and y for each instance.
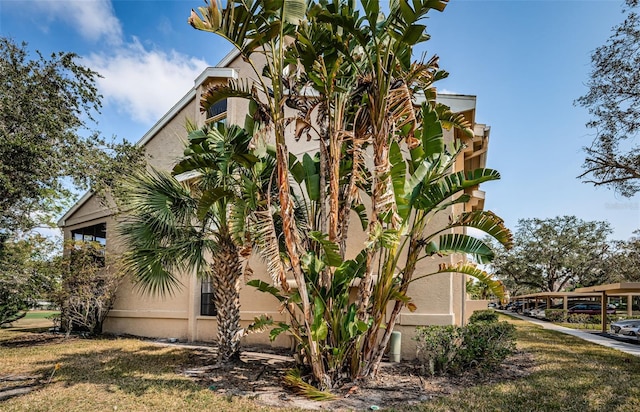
(486, 345)
(555, 315)
(581, 318)
(452, 349)
(437, 347)
(488, 315)
(597, 319)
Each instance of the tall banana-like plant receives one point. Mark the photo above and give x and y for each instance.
(425, 185)
(361, 68)
(194, 226)
(359, 63)
(261, 28)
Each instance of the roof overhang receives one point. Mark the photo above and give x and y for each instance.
(209, 72)
(557, 295)
(611, 288)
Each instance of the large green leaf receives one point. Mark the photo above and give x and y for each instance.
(209, 198)
(241, 88)
(399, 178)
(319, 328)
(331, 250)
(469, 269)
(267, 288)
(432, 136)
(361, 211)
(348, 271)
(460, 243)
(488, 222)
(434, 194)
(311, 176)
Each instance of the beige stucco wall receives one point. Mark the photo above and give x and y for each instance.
(440, 299)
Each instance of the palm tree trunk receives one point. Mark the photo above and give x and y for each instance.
(226, 283)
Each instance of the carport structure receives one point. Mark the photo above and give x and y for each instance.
(546, 297)
(626, 289)
(600, 293)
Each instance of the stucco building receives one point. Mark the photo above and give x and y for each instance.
(187, 315)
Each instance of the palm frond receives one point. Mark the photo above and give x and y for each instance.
(266, 240)
(459, 243)
(450, 119)
(469, 269)
(436, 193)
(294, 381)
(488, 222)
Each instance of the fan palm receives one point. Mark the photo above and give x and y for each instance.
(260, 27)
(195, 225)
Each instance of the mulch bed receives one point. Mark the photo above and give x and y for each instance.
(259, 374)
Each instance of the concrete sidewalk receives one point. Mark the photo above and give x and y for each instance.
(593, 337)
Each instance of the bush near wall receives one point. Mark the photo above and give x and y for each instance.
(482, 346)
(488, 315)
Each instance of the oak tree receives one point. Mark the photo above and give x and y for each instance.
(613, 101)
(46, 145)
(555, 254)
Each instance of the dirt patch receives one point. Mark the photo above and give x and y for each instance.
(259, 375)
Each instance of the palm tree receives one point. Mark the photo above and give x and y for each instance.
(195, 225)
(260, 27)
(361, 68)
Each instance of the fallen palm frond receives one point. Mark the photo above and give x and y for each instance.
(294, 381)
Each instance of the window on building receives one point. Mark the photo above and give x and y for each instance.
(96, 233)
(217, 113)
(207, 305)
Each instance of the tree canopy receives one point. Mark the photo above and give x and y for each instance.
(624, 262)
(26, 276)
(46, 146)
(613, 101)
(554, 254)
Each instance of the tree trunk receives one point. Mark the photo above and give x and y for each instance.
(226, 283)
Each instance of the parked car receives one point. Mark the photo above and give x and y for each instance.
(540, 312)
(589, 309)
(516, 307)
(631, 331)
(626, 327)
(532, 310)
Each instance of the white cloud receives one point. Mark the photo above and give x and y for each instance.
(447, 91)
(144, 84)
(140, 82)
(95, 20)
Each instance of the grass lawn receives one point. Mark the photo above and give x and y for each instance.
(35, 319)
(107, 375)
(131, 375)
(40, 314)
(569, 375)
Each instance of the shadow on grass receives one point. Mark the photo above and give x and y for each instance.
(29, 337)
(134, 371)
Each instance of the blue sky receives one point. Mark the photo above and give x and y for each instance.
(526, 61)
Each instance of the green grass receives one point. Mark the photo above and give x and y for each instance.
(568, 374)
(108, 375)
(40, 314)
(35, 319)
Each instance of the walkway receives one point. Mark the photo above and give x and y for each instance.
(593, 337)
